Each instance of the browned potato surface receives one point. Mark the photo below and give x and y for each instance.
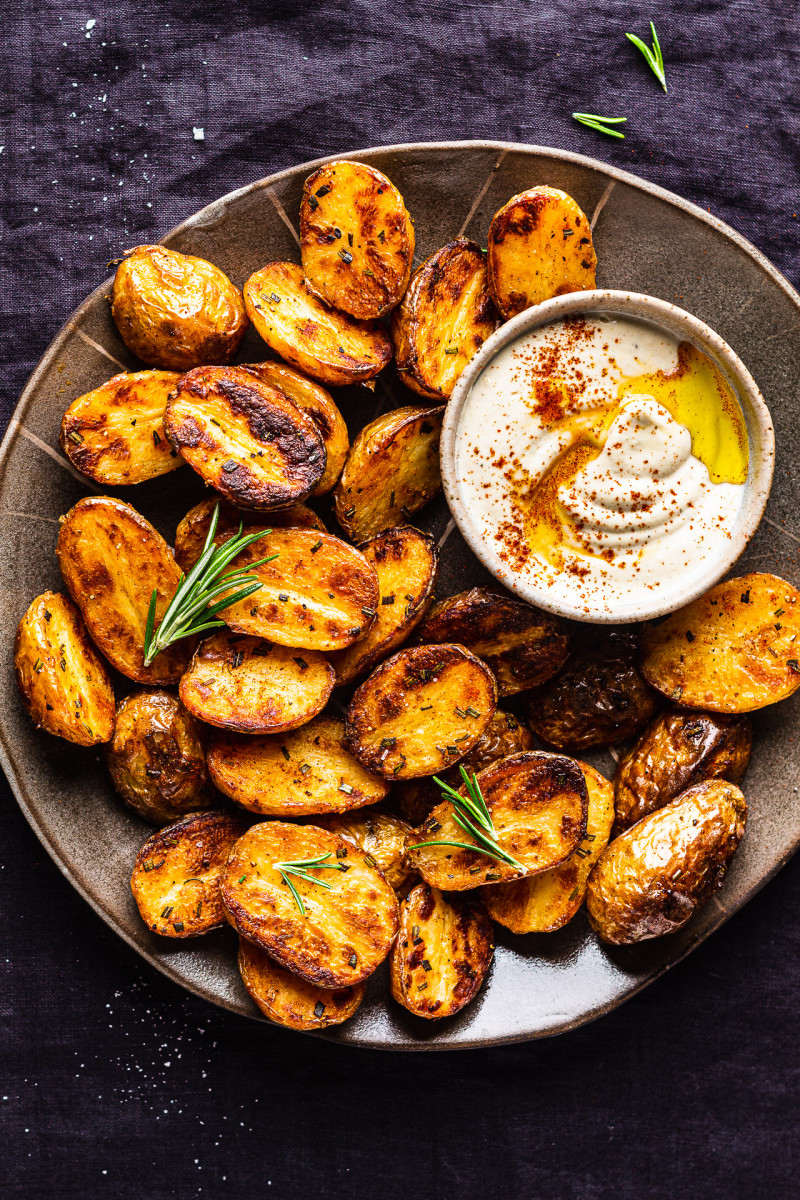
(191, 534)
(62, 680)
(289, 1000)
(381, 836)
(176, 311)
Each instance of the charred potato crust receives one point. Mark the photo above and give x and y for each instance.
(381, 836)
(191, 534)
(289, 1000)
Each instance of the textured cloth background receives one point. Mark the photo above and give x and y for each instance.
(114, 1082)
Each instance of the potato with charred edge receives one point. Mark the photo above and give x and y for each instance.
(112, 560)
(655, 876)
(540, 246)
(321, 342)
(356, 239)
(391, 472)
(191, 534)
(62, 681)
(420, 711)
(176, 311)
(381, 836)
(446, 316)
(343, 931)
(289, 1000)
(442, 953)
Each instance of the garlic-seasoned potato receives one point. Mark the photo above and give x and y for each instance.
(420, 711)
(540, 245)
(391, 471)
(176, 311)
(289, 1000)
(245, 438)
(523, 646)
(356, 239)
(442, 953)
(112, 559)
(62, 680)
(191, 534)
(538, 804)
(654, 877)
(406, 562)
(381, 836)
(297, 774)
(176, 876)
(446, 316)
(322, 342)
(115, 434)
(735, 649)
(543, 903)
(252, 686)
(347, 927)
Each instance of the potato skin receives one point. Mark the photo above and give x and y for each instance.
(62, 681)
(176, 311)
(653, 878)
(289, 1000)
(381, 836)
(190, 536)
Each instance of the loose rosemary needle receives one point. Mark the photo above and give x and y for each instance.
(601, 123)
(472, 815)
(653, 56)
(300, 869)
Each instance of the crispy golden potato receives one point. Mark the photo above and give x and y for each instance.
(381, 836)
(289, 1000)
(322, 342)
(252, 686)
(540, 245)
(391, 471)
(654, 877)
(523, 646)
(297, 774)
(420, 711)
(191, 534)
(356, 239)
(406, 562)
(735, 649)
(62, 680)
(446, 316)
(442, 953)
(176, 311)
(176, 876)
(543, 903)
(347, 927)
(112, 559)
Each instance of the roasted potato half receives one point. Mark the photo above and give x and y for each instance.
(62, 680)
(322, 342)
(653, 878)
(334, 936)
(381, 836)
(391, 472)
(176, 311)
(442, 953)
(191, 534)
(111, 560)
(735, 649)
(289, 1000)
(540, 246)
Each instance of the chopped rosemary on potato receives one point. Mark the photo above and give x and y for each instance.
(472, 815)
(300, 868)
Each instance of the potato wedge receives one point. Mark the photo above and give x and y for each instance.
(176, 876)
(420, 711)
(252, 686)
(191, 534)
(289, 1000)
(442, 953)
(111, 560)
(62, 680)
(735, 649)
(540, 245)
(381, 836)
(356, 239)
(297, 774)
(322, 342)
(446, 316)
(391, 472)
(345, 929)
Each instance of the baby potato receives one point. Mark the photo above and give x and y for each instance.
(176, 876)
(289, 1000)
(733, 650)
(253, 686)
(191, 534)
(176, 311)
(446, 316)
(655, 876)
(62, 681)
(321, 342)
(333, 933)
(540, 246)
(381, 836)
(391, 472)
(442, 953)
(115, 434)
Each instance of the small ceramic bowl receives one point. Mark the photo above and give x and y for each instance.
(665, 316)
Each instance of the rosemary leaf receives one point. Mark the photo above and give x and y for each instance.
(652, 56)
(600, 123)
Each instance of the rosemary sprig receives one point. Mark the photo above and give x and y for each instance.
(472, 815)
(195, 605)
(300, 868)
(653, 57)
(601, 123)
